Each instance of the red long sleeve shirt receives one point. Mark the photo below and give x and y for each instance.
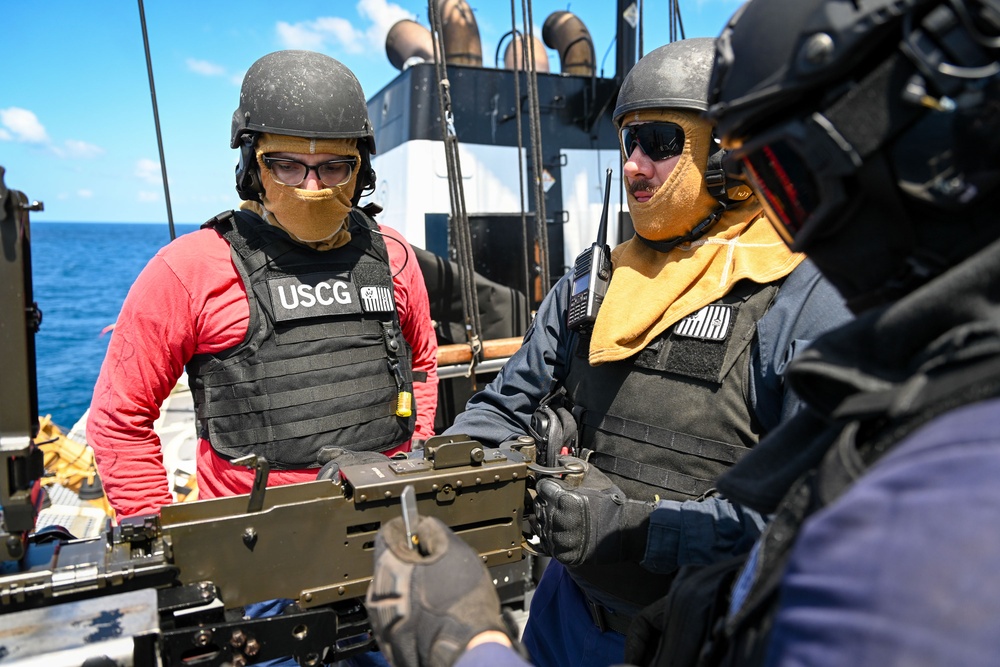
(190, 300)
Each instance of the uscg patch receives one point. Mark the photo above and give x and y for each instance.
(710, 323)
(377, 299)
(313, 295)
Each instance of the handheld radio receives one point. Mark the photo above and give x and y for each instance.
(591, 274)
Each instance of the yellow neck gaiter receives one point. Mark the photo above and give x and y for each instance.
(316, 218)
(683, 200)
(650, 291)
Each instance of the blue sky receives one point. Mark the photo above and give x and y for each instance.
(76, 120)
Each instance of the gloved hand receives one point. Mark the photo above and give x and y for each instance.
(334, 458)
(426, 603)
(590, 523)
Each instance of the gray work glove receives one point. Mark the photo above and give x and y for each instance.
(589, 521)
(426, 603)
(332, 459)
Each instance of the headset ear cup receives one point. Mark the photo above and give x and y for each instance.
(366, 177)
(248, 184)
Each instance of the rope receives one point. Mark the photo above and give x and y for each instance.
(676, 23)
(534, 112)
(459, 220)
(520, 166)
(156, 121)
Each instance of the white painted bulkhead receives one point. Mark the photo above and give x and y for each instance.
(413, 181)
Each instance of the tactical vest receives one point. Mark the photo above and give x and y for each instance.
(669, 420)
(868, 426)
(323, 363)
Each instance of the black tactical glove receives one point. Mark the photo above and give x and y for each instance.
(589, 520)
(334, 458)
(426, 603)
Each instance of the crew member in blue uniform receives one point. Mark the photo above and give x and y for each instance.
(679, 376)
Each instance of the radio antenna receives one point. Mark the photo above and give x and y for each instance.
(602, 229)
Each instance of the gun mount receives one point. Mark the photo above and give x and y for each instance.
(312, 543)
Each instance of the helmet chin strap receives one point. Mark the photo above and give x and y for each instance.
(716, 184)
(699, 230)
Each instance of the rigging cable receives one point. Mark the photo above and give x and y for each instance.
(156, 121)
(534, 111)
(520, 165)
(676, 23)
(459, 221)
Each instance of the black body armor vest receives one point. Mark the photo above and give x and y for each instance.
(324, 362)
(668, 421)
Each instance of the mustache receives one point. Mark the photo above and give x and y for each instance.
(640, 185)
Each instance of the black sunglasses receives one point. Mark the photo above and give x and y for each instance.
(659, 140)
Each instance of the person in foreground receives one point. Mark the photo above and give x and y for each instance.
(870, 130)
(304, 326)
(679, 376)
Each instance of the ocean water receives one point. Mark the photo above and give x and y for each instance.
(81, 274)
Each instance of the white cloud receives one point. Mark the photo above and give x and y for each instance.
(74, 148)
(383, 16)
(334, 31)
(314, 35)
(23, 125)
(149, 171)
(84, 194)
(147, 197)
(205, 68)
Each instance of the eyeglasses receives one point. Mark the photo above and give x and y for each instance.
(291, 172)
(659, 140)
(798, 172)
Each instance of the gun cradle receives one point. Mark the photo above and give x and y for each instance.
(202, 561)
(314, 542)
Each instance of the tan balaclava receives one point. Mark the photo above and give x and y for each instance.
(650, 290)
(316, 218)
(683, 200)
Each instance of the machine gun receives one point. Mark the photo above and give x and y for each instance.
(169, 589)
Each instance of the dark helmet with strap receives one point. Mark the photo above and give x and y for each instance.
(676, 76)
(300, 94)
(673, 76)
(869, 130)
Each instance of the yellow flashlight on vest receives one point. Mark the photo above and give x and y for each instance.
(404, 404)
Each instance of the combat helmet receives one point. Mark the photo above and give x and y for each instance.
(301, 94)
(673, 76)
(677, 76)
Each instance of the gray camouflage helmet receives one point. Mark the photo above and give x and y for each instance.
(302, 94)
(673, 76)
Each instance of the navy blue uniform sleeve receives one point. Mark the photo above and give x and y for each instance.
(706, 531)
(806, 307)
(698, 532)
(491, 655)
(902, 568)
(502, 410)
